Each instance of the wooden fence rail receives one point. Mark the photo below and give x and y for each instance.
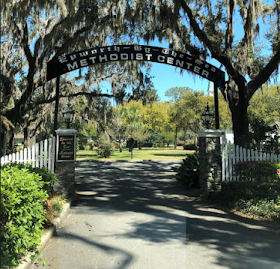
(41, 154)
(232, 154)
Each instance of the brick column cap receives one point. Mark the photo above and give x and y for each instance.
(66, 132)
(211, 133)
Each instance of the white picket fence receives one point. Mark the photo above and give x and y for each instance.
(232, 154)
(41, 154)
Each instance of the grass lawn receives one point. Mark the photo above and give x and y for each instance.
(138, 155)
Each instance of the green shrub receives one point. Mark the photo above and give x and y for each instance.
(190, 147)
(258, 171)
(81, 142)
(188, 173)
(87, 147)
(58, 202)
(22, 213)
(265, 207)
(19, 147)
(105, 150)
(47, 177)
(90, 144)
(249, 198)
(180, 143)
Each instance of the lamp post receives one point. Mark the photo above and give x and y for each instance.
(68, 114)
(207, 116)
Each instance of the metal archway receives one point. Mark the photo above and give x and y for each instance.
(98, 55)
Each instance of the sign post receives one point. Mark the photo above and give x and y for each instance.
(131, 143)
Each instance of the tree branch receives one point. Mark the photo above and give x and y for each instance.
(50, 100)
(216, 53)
(265, 73)
(229, 31)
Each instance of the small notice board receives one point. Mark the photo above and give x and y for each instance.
(66, 147)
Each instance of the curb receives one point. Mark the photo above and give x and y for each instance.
(26, 262)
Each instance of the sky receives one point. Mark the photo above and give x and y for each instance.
(166, 76)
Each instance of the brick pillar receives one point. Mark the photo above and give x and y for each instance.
(65, 161)
(210, 161)
(65, 172)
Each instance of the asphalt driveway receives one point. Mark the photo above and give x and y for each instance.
(134, 215)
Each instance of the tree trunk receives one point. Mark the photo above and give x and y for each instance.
(185, 136)
(25, 135)
(4, 143)
(11, 145)
(240, 124)
(28, 140)
(195, 141)
(175, 139)
(120, 143)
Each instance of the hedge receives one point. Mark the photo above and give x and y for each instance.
(23, 213)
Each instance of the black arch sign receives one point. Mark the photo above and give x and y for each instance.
(76, 60)
(97, 55)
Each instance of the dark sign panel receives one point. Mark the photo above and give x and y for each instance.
(66, 148)
(66, 63)
(131, 143)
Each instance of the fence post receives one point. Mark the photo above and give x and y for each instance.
(37, 155)
(46, 153)
(224, 154)
(210, 161)
(41, 153)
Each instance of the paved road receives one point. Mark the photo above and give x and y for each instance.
(134, 215)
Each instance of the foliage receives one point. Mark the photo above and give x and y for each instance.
(264, 117)
(249, 198)
(175, 93)
(167, 136)
(187, 110)
(263, 135)
(48, 178)
(87, 147)
(265, 207)
(155, 116)
(155, 139)
(22, 213)
(55, 204)
(190, 147)
(34, 33)
(258, 171)
(188, 173)
(58, 202)
(208, 30)
(105, 150)
(81, 142)
(264, 105)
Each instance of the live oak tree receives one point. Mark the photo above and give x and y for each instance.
(264, 115)
(225, 30)
(242, 35)
(265, 104)
(34, 32)
(187, 106)
(176, 114)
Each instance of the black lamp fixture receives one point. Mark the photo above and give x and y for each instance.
(207, 116)
(68, 114)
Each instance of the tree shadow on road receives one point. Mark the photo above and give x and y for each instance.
(174, 213)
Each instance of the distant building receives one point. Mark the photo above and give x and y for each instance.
(229, 136)
(210, 91)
